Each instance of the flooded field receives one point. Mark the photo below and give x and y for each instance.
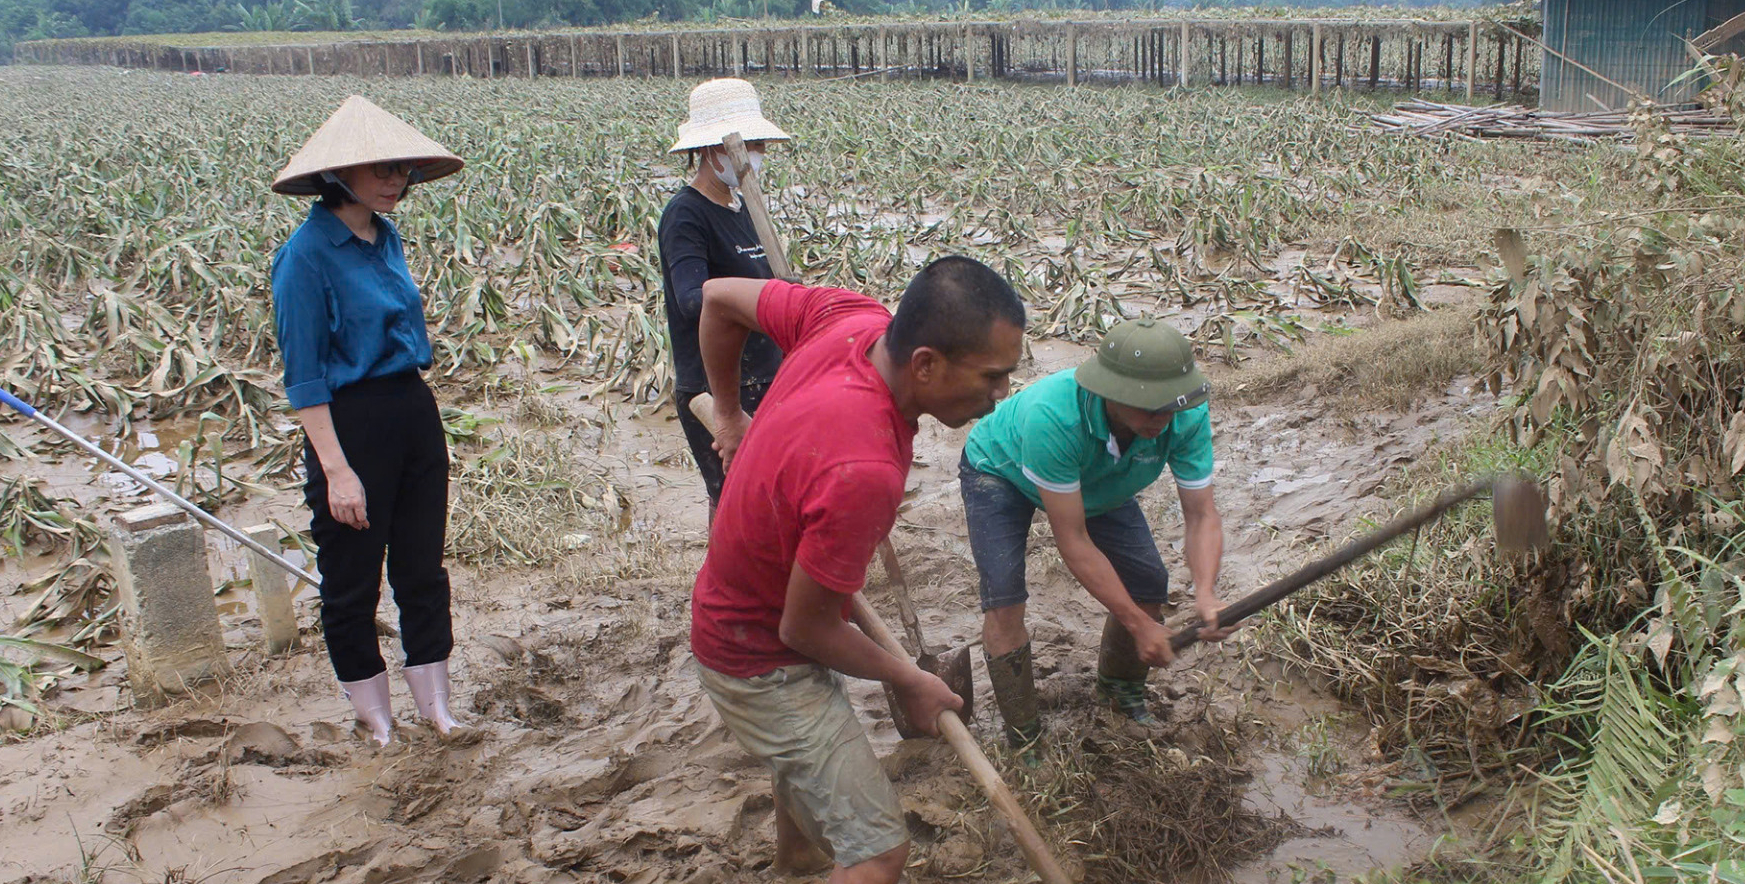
(1258, 225)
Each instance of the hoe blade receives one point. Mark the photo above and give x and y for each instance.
(953, 668)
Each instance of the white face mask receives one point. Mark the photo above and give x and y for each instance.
(722, 166)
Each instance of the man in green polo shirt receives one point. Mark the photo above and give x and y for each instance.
(1080, 444)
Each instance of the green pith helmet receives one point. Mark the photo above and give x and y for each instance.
(1145, 364)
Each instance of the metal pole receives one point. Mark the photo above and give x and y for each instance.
(205, 518)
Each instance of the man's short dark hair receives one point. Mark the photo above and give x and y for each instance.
(950, 306)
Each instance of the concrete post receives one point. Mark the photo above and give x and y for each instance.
(884, 55)
(677, 67)
(621, 68)
(419, 47)
(1072, 55)
(169, 623)
(272, 593)
(969, 56)
(1315, 60)
(1184, 55)
(309, 53)
(1471, 58)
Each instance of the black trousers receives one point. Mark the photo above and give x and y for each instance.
(703, 442)
(391, 432)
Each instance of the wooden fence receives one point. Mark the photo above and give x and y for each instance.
(1474, 57)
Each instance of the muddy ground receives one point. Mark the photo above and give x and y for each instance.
(601, 761)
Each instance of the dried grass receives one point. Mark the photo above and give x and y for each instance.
(529, 500)
(1136, 810)
(1388, 367)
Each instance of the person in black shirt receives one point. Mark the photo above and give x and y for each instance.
(706, 234)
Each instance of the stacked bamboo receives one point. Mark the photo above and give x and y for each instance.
(1429, 119)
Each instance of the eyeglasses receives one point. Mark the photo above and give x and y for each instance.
(399, 169)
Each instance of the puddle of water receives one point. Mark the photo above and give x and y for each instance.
(1344, 839)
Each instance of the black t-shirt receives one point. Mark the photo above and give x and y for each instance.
(699, 241)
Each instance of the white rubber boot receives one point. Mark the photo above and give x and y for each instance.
(375, 712)
(429, 684)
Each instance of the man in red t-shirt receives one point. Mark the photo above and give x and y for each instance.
(812, 487)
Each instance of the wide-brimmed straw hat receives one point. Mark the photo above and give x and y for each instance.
(722, 106)
(359, 133)
(1145, 364)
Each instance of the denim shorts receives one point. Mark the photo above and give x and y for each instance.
(999, 518)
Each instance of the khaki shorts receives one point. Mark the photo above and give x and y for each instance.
(797, 720)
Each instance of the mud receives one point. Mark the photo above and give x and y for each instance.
(601, 761)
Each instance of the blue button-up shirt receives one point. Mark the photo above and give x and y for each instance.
(345, 309)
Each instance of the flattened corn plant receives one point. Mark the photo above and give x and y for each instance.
(137, 228)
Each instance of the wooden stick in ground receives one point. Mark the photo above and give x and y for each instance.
(951, 727)
(955, 733)
(751, 192)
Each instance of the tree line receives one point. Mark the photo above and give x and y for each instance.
(50, 19)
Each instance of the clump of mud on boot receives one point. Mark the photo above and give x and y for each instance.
(1137, 810)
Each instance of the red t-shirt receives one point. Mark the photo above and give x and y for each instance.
(817, 480)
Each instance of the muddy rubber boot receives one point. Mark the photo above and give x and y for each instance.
(429, 684)
(375, 713)
(1014, 677)
(1121, 674)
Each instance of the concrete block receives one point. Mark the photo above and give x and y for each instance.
(169, 621)
(272, 592)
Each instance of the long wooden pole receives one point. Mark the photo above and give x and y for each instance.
(752, 191)
(1315, 60)
(957, 735)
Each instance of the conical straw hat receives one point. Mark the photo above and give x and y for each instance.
(720, 107)
(359, 133)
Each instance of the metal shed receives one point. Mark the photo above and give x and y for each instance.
(1638, 43)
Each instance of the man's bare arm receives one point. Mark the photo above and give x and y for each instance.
(1066, 515)
(728, 319)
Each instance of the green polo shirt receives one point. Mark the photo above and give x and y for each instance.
(1055, 435)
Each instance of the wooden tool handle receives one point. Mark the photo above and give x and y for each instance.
(1273, 592)
(751, 192)
(900, 592)
(957, 735)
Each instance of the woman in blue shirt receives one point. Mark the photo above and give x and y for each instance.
(351, 332)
